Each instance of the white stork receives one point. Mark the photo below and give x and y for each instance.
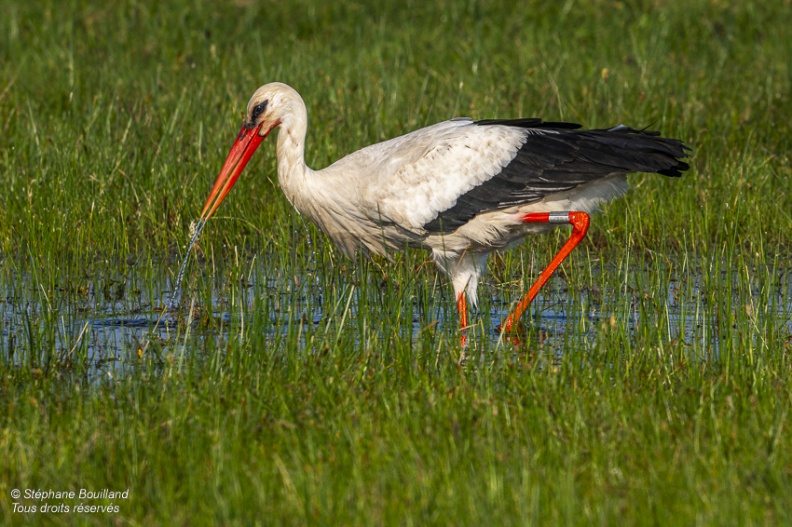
(459, 188)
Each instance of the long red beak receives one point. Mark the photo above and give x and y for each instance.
(245, 145)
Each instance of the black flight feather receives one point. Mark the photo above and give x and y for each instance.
(557, 157)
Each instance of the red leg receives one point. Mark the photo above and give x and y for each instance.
(580, 224)
(463, 316)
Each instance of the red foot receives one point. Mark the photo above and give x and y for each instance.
(580, 224)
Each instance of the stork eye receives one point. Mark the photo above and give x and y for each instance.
(258, 110)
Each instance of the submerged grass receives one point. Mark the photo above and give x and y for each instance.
(295, 386)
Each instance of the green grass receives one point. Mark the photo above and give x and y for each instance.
(320, 390)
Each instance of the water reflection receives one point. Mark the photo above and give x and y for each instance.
(118, 321)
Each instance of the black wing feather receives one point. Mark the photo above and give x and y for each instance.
(557, 157)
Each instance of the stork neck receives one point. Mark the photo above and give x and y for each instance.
(292, 169)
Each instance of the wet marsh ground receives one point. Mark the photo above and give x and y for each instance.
(294, 386)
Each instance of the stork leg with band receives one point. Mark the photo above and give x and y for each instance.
(580, 224)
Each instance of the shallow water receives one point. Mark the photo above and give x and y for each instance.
(116, 322)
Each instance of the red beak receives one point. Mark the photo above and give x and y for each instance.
(245, 145)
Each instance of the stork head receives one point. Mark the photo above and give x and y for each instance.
(270, 105)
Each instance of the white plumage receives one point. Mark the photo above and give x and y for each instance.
(460, 188)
